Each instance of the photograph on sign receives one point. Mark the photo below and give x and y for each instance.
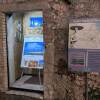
(84, 41)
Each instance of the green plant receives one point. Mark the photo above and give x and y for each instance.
(94, 94)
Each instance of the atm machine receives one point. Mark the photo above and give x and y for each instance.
(33, 46)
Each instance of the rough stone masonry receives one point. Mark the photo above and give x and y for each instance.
(59, 83)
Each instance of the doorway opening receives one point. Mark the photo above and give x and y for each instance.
(25, 50)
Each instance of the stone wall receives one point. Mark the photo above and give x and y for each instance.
(65, 84)
(59, 83)
(3, 61)
(4, 96)
(57, 25)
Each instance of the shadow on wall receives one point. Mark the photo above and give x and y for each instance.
(62, 66)
(4, 96)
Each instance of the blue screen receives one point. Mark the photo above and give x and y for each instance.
(33, 47)
(41, 62)
(36, 21)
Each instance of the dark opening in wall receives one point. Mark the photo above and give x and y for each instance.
(25, 50)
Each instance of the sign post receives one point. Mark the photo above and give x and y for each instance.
(84, 49)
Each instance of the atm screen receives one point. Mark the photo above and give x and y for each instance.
(36, 21)
(33, 48)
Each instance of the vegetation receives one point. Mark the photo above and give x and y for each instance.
(94, 94)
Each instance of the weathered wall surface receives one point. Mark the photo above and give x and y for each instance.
(59, 83)
(57, 26)
(4, 96)
(3, 61)
(71, 85)
(85, 9)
